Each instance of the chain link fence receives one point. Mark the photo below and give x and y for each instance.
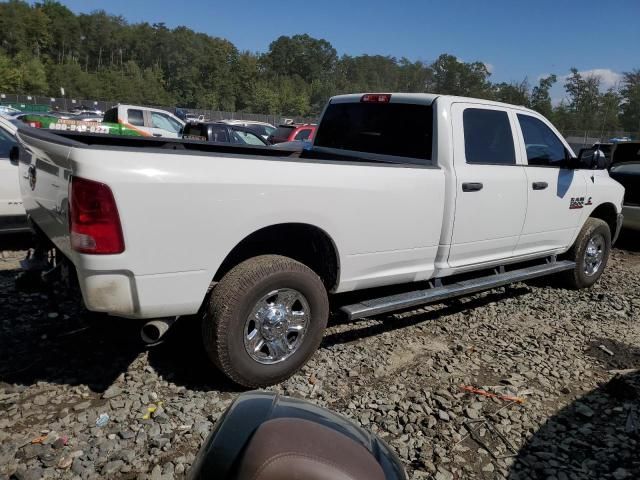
(39, 103)
(586, 138)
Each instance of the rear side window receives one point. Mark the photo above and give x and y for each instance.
(543, 146)
(219, 134)
(487, 137)
(111, 116)
(135, 117)
(398, 129)
(283, 132)
(191, 130)
(303, 134)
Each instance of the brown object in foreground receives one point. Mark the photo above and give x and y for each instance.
(484, 393)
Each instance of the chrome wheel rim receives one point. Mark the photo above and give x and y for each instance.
(276, 326)
(594, 255)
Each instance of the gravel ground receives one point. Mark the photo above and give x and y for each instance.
(572, 356)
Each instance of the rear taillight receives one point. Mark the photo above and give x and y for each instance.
(35, 124)
(94, 220)
(376, 98)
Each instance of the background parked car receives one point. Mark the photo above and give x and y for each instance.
(146, 121)
(13, 217)
(223, 133)
(292, 133)
(264, 129)
(624, 161)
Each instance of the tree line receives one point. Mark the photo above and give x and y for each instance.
(45, 46)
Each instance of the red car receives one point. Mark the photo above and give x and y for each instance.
(292, 133)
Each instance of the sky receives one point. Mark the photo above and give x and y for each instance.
(516, 39)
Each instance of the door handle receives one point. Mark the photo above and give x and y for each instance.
(539, 185)
(472, 187)
(157, 134)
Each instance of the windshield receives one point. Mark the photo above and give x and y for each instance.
(165, 122)
(396, 129)
(262, 129)
(246, 138)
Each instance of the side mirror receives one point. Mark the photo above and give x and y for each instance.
(14, 155)
(592, 159)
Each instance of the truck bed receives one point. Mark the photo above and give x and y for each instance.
(184, 205)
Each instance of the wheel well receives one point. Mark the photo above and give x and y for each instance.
(608, 213)
(305, 243)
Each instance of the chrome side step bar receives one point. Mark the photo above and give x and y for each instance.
(438, 292)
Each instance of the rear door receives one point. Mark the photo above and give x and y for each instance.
(555, 193)
(491, 195)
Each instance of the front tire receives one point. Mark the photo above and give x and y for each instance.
(591, 252)
(265, 319)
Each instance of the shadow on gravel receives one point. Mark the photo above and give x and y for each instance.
(613, 354)
(57, 341)
(39, 343)
(597, 436)
(181, 359)
(629, 240)
(389, 322)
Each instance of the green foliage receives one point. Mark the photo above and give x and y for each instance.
(540, 99)
(630, 116)
(45, 46)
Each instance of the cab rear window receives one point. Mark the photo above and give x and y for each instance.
(397, 129)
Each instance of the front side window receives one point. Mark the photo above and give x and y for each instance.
(544, 148)
(487, 137)
(136, 117)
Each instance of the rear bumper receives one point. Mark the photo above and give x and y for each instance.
(124, 294)
(631, 217)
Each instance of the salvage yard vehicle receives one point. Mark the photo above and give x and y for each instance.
(223, 133)
(148, 122)
(264, 129)
(440, 196)
(292, 133)
(13, 217)
(628, 174)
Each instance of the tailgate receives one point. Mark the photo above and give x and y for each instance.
(45, 172)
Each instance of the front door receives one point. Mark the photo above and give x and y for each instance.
(555, 193)
(491, 196)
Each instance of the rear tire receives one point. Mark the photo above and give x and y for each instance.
(591, 252)
(270, 300)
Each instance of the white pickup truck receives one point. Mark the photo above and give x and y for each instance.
(440, 195)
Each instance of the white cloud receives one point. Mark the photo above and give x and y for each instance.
(608, 78)
(489, 66)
